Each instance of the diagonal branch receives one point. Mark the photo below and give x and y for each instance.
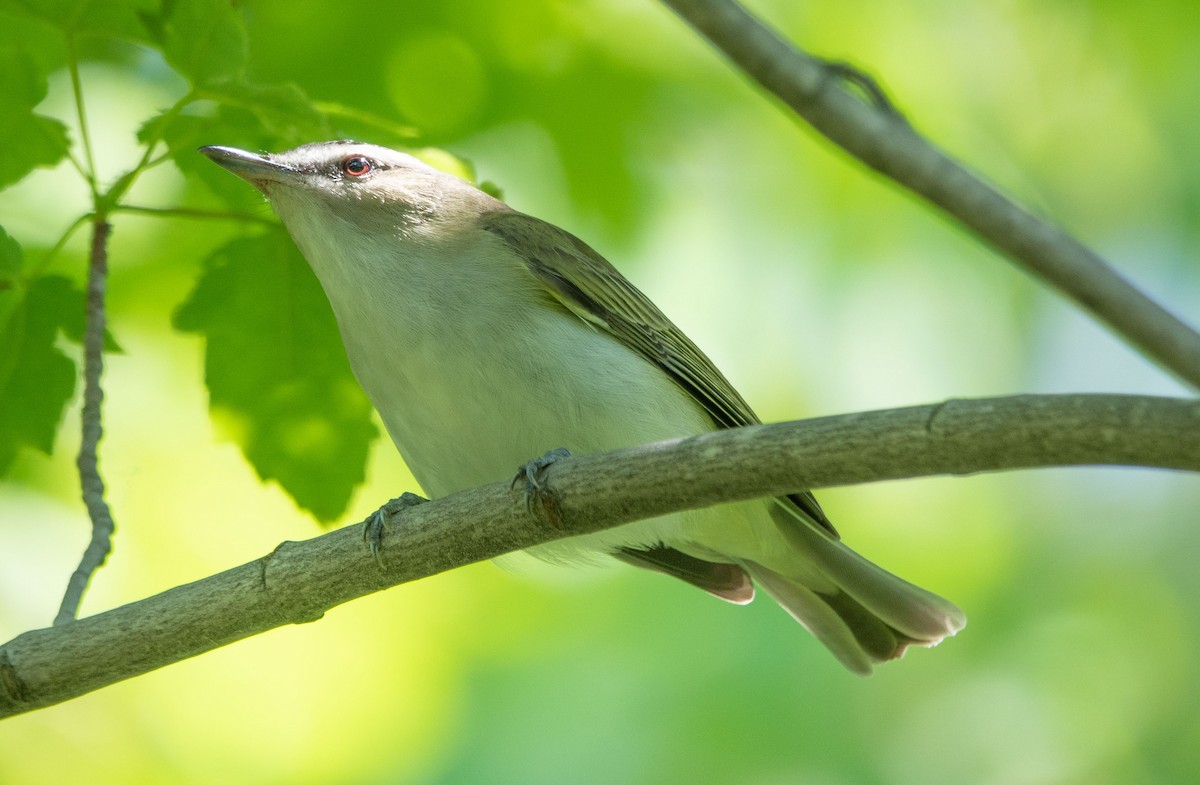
(877, 135)
(299, 581)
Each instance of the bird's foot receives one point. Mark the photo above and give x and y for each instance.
(375, 525)
(532, 475)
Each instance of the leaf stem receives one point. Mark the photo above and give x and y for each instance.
(79, 167)
(88, 171)
(58, 246)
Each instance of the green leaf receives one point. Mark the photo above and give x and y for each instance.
(114, 18)
(186, 132)
(283, 110)
(36, 379)
(36, 37)
(11, 262)
(278, 379)
(181, 133)
(240, 114)
(27, 140)
(11, 258)
(22, 80)
(205, 40)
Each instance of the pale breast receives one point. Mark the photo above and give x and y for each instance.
(470, 404)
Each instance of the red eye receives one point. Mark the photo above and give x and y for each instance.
(357, 166)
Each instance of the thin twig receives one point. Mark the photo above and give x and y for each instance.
(56, 249)
(79, 167)
(888, 144)
(77, 89)
(299, 581)
(88, 462)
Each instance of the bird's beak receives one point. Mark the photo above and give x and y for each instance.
(255, 168)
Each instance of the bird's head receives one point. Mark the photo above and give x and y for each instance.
(347, 182)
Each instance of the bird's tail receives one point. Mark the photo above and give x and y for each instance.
(870, 616)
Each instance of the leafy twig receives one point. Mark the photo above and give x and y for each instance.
(91, 482)
(888, 144)
(148, 161)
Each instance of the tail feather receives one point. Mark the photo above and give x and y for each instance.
(818, 617)
(918, 615)
(863, 614)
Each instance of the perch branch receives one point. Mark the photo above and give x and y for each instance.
(299, 581)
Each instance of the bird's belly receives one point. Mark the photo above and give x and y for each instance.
(470, 409)
(463, 414)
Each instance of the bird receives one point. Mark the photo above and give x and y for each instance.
(485, 336)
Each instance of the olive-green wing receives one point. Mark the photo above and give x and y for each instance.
(591, 288)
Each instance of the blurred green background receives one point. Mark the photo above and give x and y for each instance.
(817, 288)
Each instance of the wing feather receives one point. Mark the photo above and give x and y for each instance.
(587, 285)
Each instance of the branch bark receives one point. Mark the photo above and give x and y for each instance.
(880, 137)
(90, 481)
(299, 581)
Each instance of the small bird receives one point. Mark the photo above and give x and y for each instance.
(484, 337)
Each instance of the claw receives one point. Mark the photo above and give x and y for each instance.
(532, 474)
(374, 526)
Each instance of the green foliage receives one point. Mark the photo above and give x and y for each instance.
(205, 40)
(283, 111)
(29, 139)
(10, 260)
(36, 378)
(122, 19)
(278, 379)
(277, 375)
